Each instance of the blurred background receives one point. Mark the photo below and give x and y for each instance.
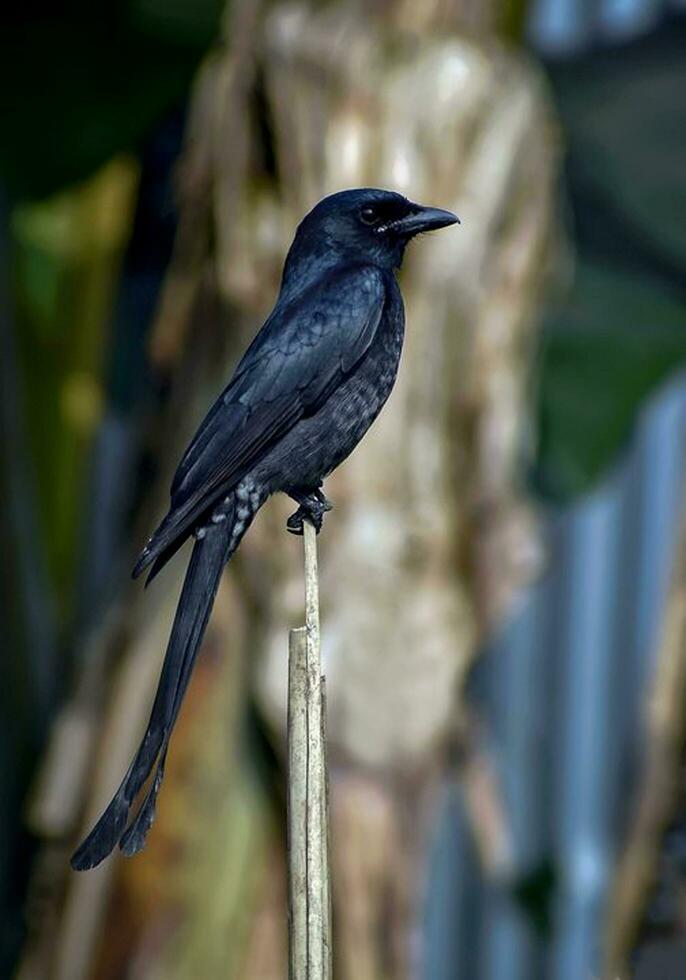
(504, 574)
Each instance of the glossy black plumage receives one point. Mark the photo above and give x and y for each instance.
(308, 388)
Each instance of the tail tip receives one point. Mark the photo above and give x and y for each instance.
(104, 836)
(143, 561)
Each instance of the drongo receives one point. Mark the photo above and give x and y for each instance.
(307, 389)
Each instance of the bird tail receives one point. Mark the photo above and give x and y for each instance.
(214, 545)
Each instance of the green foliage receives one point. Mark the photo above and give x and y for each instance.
(622, 330)
(624, 116)
(80, 82)
(614, 342)
(67, 252)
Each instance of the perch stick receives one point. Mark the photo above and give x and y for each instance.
(308, 864)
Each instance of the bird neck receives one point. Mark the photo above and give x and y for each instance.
(305, 265)
(303, 268)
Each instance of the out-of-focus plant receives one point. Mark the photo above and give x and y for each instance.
(67, 258)
(81, 86)
(80, 83)
(618, 328)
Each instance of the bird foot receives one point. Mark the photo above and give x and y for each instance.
(312, 508)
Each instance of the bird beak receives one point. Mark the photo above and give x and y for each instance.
(425, 219)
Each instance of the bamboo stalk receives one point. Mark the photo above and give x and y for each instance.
(308, 862)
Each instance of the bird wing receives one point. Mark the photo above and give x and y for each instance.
(299, 357)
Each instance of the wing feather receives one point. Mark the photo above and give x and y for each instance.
(299, 357)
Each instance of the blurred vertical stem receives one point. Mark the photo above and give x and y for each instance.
(666, 723)
(26, 608)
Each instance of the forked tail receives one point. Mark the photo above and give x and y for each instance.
(213, 548)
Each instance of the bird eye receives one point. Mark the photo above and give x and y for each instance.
(369, 215)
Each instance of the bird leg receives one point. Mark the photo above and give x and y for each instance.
(313, 506)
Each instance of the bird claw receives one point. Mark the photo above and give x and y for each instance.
(312, 508)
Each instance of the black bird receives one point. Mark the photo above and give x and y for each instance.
(309, 386)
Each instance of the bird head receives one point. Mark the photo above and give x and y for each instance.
(365, 224)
